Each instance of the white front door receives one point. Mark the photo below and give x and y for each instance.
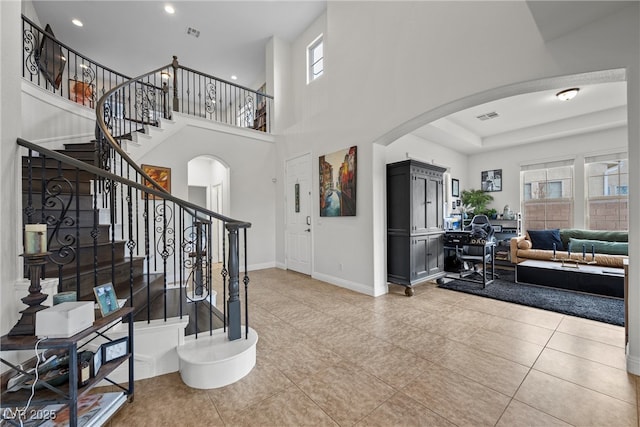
(298, 214)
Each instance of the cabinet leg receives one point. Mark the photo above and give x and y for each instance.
(408, 291)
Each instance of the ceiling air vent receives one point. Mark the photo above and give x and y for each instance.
(488, 116)
(193, 32)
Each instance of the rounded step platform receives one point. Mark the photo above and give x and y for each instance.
(212, 361)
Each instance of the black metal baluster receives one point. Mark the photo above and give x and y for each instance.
(245, 280)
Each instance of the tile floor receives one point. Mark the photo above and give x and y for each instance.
(329, 356)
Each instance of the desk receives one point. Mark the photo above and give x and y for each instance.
(487, 258)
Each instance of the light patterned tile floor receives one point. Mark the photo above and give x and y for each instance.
(328, 356)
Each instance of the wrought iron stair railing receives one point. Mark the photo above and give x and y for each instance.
(196, 224)
(163, 240)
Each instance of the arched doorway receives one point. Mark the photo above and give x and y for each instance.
(381, 149)
(208, 186)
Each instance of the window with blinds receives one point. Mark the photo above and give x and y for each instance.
(608, 192)
(547, 195)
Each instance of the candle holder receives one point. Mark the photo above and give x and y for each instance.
(27, 323)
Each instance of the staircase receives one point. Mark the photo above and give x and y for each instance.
(109, 222)
(86, 253)
(76, 241)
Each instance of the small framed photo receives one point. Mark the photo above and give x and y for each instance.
(455, 188)
(96, 363)
(115, 349)
(106, 298)
(491, 180)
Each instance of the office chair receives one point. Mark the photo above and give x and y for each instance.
(478, 252)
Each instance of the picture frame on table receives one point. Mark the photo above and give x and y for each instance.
(96, 362)
(115, 349)
(106, 298)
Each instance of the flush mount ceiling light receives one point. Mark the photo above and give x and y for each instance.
(169, 9)
(234, 77)
(77, 22)
(567, 94)
(165, 75)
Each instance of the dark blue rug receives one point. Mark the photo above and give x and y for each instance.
(588, 306)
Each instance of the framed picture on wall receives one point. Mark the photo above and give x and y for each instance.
(81, 92)
(491, 180)
(338, 182)
(160, 175)
(455, 188)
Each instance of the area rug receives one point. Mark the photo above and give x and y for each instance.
(504, 288)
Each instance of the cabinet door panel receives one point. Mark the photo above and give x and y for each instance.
(420, 257)
(433, 201)
(419, 203)
(436, 258)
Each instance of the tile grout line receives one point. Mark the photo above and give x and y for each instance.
(512, 398)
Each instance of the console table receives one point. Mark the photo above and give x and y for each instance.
(67, 394)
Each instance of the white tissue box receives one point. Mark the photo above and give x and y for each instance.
(65, 320)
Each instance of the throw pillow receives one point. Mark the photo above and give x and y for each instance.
(544, 239)
(524, 244)
(599, 247)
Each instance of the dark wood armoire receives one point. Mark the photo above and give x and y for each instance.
(415, 223)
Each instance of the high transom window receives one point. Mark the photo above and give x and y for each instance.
(315, 59)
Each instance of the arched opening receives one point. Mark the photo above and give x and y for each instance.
(484, 153)
(208, 186)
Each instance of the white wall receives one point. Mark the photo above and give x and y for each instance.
(10, 112)
(251, 166)
(51, 120)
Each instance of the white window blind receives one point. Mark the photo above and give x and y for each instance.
(607, 191)
(547, 194)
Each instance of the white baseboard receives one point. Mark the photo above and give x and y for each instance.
(281, 265)
(356, 287)
(260, 266)
(633, 364)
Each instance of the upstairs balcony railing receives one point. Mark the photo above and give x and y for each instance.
(54, 66)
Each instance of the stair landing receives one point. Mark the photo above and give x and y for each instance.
(214, 361)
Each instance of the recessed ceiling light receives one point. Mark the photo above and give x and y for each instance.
(567, 94)
(77, 22)
(169, 9)
(234, 77)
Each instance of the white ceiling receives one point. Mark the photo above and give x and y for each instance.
(135, 36)
(530, 117)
